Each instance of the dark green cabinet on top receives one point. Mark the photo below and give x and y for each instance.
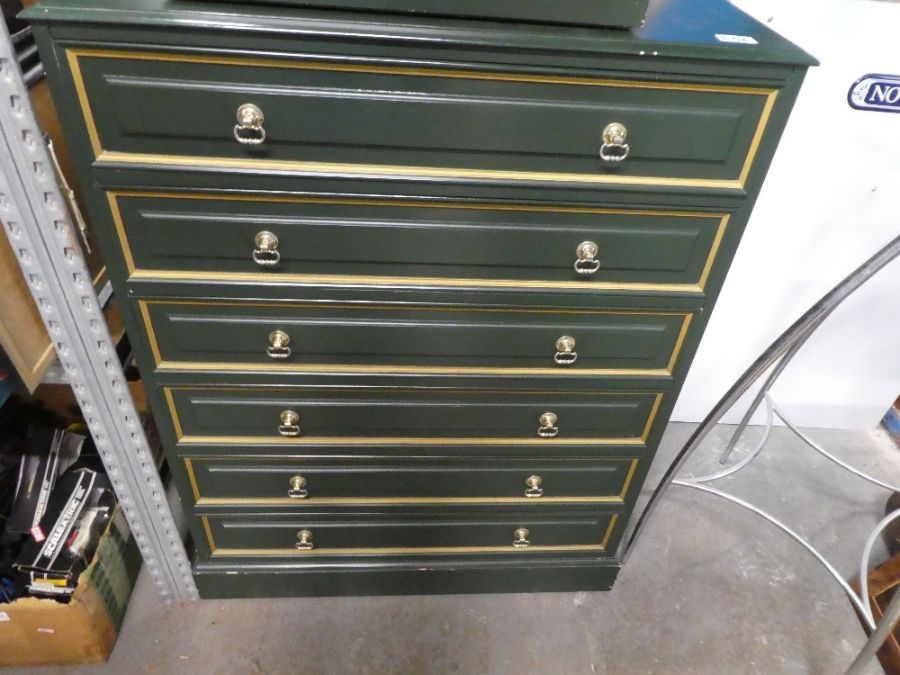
(413, 296)
(616, 13)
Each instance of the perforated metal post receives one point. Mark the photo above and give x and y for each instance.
(37, 222)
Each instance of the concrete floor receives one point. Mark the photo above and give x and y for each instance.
(710, 589)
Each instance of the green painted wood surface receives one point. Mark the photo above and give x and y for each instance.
(216, 580)
(418, 414)
(420, 529)
(609, 13)
(472, 124)
(363, 335)
(327, 236)
(322, 112)
(683, 29)
(245, 478)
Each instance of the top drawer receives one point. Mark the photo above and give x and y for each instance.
(318, 116)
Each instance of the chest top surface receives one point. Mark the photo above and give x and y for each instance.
(709, 29)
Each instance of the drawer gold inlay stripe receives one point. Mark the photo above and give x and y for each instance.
(410, 282)
(256, 165)
(163, 364)
(176, 422)
(102, 155)
(403, 550)
(436, 370)
(401, 440)
(268, 501)
(136, 273)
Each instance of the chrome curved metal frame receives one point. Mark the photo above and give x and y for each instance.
(774, 361)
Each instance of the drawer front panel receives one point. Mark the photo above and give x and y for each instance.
(241, 336)
(182, 109)
(319, 239)
(236, 480)
(422, 534)
(221, 415)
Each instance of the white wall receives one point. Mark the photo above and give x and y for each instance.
(831, 199)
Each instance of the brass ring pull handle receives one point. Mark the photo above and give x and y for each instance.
(290, 423)
(614, 148)
(249, 129)
(521, 538)
(547, 428)
(565, 351)
(265, 251)
(305, 541)
(279, 345)
(586, 262)
(533, 487)
(298, 488)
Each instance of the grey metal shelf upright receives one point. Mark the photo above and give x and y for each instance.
(36, 220)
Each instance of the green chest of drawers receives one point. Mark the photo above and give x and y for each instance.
(413, 297)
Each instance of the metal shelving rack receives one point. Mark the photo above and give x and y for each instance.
(37, 222)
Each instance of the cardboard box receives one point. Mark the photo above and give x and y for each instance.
(37, 632)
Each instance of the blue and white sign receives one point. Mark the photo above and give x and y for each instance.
(876, 92)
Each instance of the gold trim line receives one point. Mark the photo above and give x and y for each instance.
(293, 166)
(417, 72)
(413, 307)
(400, 440)
(173, 412)
(314, 501)
(679, 342)
(435, 370)
(411, 282)
(628, 478)
(401, 551)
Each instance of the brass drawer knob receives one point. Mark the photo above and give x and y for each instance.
(279, 345)
(249, 128)
(547, 428)
(265, 251)
(298, 488)
(533, 486)
(290, 423)
(521, 538)
(565, 351)
(614, 148)
(305, 540)
(586, 262)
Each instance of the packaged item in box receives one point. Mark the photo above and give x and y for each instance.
(40, 631)
(62, 544)
(47, 453)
